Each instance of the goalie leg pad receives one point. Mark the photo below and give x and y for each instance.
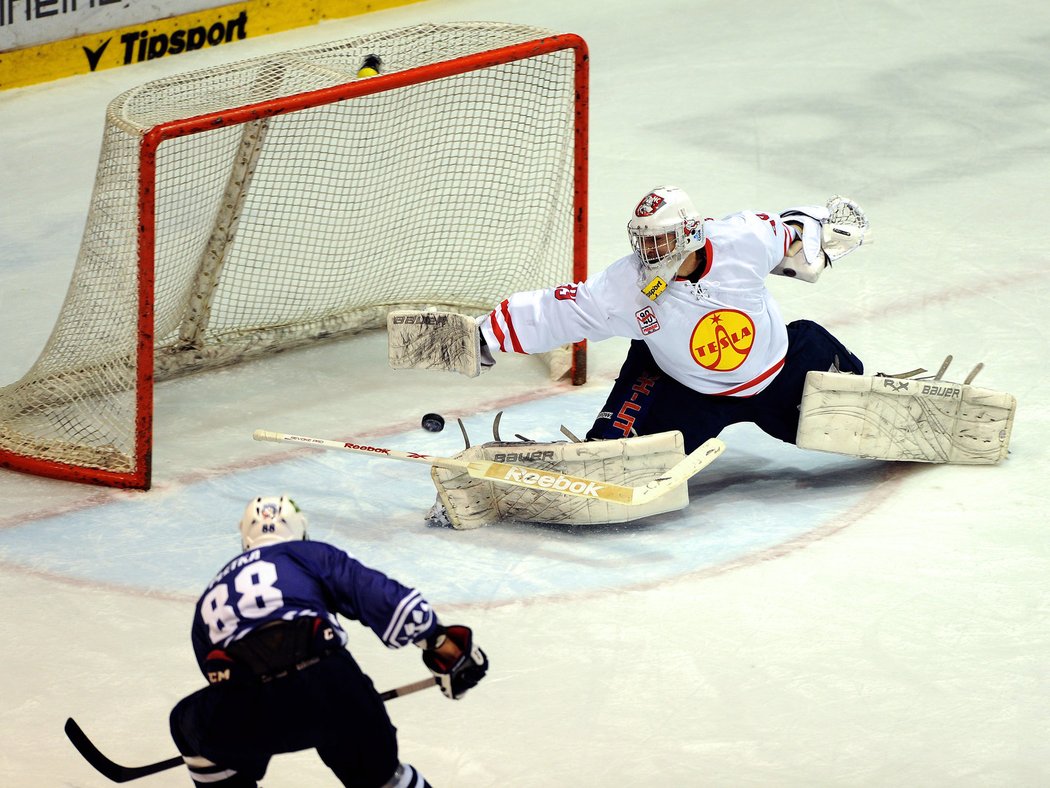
(887, 418)
(473, 503)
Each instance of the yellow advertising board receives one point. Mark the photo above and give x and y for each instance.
(170, 37)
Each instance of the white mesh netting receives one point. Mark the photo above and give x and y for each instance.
(273, 230)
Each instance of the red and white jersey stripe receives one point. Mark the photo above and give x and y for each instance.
(721, 335)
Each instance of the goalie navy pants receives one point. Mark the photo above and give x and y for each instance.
(645, 401)
(331, 707)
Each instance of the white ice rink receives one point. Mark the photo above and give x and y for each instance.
(810, 620)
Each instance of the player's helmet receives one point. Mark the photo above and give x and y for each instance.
(270, 520)
(664, 228)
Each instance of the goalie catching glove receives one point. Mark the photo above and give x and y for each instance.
(455, 661)
(826, 234)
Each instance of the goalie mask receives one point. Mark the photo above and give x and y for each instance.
(664, 229)
(271, 520)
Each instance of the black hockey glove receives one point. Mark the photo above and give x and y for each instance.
(456, 675)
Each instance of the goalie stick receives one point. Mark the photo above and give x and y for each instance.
(123, 774)
(533, 478)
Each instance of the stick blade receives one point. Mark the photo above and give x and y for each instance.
(700, 458)
(694, 462)
(106, 767)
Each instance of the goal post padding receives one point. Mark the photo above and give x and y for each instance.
(253, 207)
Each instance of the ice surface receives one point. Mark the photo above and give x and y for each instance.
(810, 620)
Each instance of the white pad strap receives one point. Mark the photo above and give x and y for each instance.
(472, 503)
(434, 340)
(887, 418)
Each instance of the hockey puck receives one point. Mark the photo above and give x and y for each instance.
(433, 422)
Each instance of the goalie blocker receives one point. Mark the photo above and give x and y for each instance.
(434, 340)
(888, 418)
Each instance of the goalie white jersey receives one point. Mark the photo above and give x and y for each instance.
(722, 334)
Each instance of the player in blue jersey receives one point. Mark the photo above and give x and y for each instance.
(267, 639)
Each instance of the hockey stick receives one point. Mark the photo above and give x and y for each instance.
(408, 689)
(534, 478)
(123, 774)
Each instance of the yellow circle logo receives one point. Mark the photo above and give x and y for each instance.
(722, 339)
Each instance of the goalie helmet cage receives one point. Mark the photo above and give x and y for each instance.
(282, 199)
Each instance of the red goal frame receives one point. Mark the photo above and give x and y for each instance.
(141, 476)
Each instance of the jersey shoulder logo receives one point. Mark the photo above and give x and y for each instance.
(565, 292)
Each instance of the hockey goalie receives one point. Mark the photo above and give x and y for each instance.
(709, 348)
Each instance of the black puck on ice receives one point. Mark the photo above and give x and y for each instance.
(433, 422)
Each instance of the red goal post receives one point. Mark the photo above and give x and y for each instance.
(283, 200)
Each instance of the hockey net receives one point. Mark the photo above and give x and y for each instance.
(260, 205)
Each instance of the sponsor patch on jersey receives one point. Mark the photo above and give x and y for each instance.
(722, 340)
(653, 290)
(649, 205)
(647, 321)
